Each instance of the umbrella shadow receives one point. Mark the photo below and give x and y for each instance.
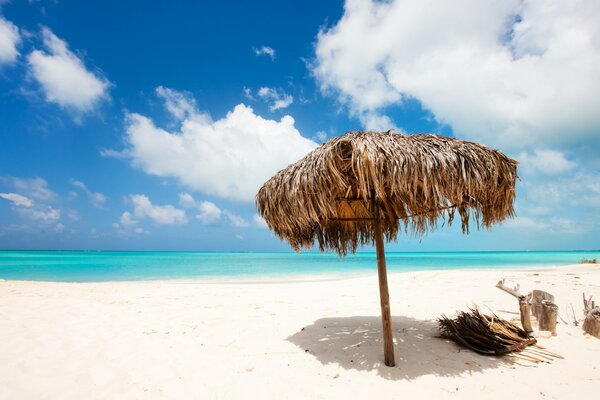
(356, 343)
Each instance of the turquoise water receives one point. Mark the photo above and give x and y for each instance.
(85, 266)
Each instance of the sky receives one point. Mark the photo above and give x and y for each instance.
(151, 125)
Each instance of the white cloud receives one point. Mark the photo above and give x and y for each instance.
(576, 191)
(208, 213)
(375, 121)
(248, 93)
(164, 215)
(180, 104)
(96, 198)
(231, 157)
(276, 99)
(545, 161)
(548, 225)
(73, 215)
(321, 136)
(36, 188)
(63, 76)
(187, 200)
(41, 213)
(235, 220)
(111, 153)
(23, 204)
(265, 51)
(127, 219)
(511, 73)
(17, 199)
(259, 221)
(527, 223)
(9, 39)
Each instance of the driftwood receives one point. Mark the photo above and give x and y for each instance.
(547, 317)
(536, 298)
(525, 317)
(591, 324)
(523, 305)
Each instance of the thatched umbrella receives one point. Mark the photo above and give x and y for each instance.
(358, 188)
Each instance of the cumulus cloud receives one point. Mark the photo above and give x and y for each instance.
(187, 200)
(372, 120)
(96, 198)
(208, 213)
(276, 99)
(235, 220)
(230, 157)
(265, 51)
(9, 39)
(163, 215)
(508, 73)
(17, 199)
(64, 78)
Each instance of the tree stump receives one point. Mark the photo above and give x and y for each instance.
(536, 298)
(525, 315)
(547, 318)
(591, 324)
(523, 305)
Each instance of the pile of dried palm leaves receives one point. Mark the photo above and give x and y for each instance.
(491, 335)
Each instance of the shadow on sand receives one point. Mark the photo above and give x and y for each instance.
(356, 343)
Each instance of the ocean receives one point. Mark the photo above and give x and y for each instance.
(102, 266)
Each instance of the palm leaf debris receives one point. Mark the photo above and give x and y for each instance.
(493, 336)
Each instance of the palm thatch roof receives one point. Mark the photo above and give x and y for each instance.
(412, 181)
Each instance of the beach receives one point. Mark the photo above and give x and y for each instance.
(310, 338)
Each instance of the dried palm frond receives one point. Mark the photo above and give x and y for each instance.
(332, 195)
(491, 335)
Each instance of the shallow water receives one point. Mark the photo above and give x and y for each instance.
(99, 266)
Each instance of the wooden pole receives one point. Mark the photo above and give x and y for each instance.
(384, 295)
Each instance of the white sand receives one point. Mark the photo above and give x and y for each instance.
(184, 340)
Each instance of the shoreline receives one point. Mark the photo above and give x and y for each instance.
(309, 277)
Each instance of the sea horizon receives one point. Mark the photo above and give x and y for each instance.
(106, 265)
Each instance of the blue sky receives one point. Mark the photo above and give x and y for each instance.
(150, 126)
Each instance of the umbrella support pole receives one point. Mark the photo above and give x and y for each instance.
(384, 295)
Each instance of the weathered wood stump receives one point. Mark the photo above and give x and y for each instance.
(523, 305)
(536, 297)
(525, 315)
(591, 324)
(547, 318)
